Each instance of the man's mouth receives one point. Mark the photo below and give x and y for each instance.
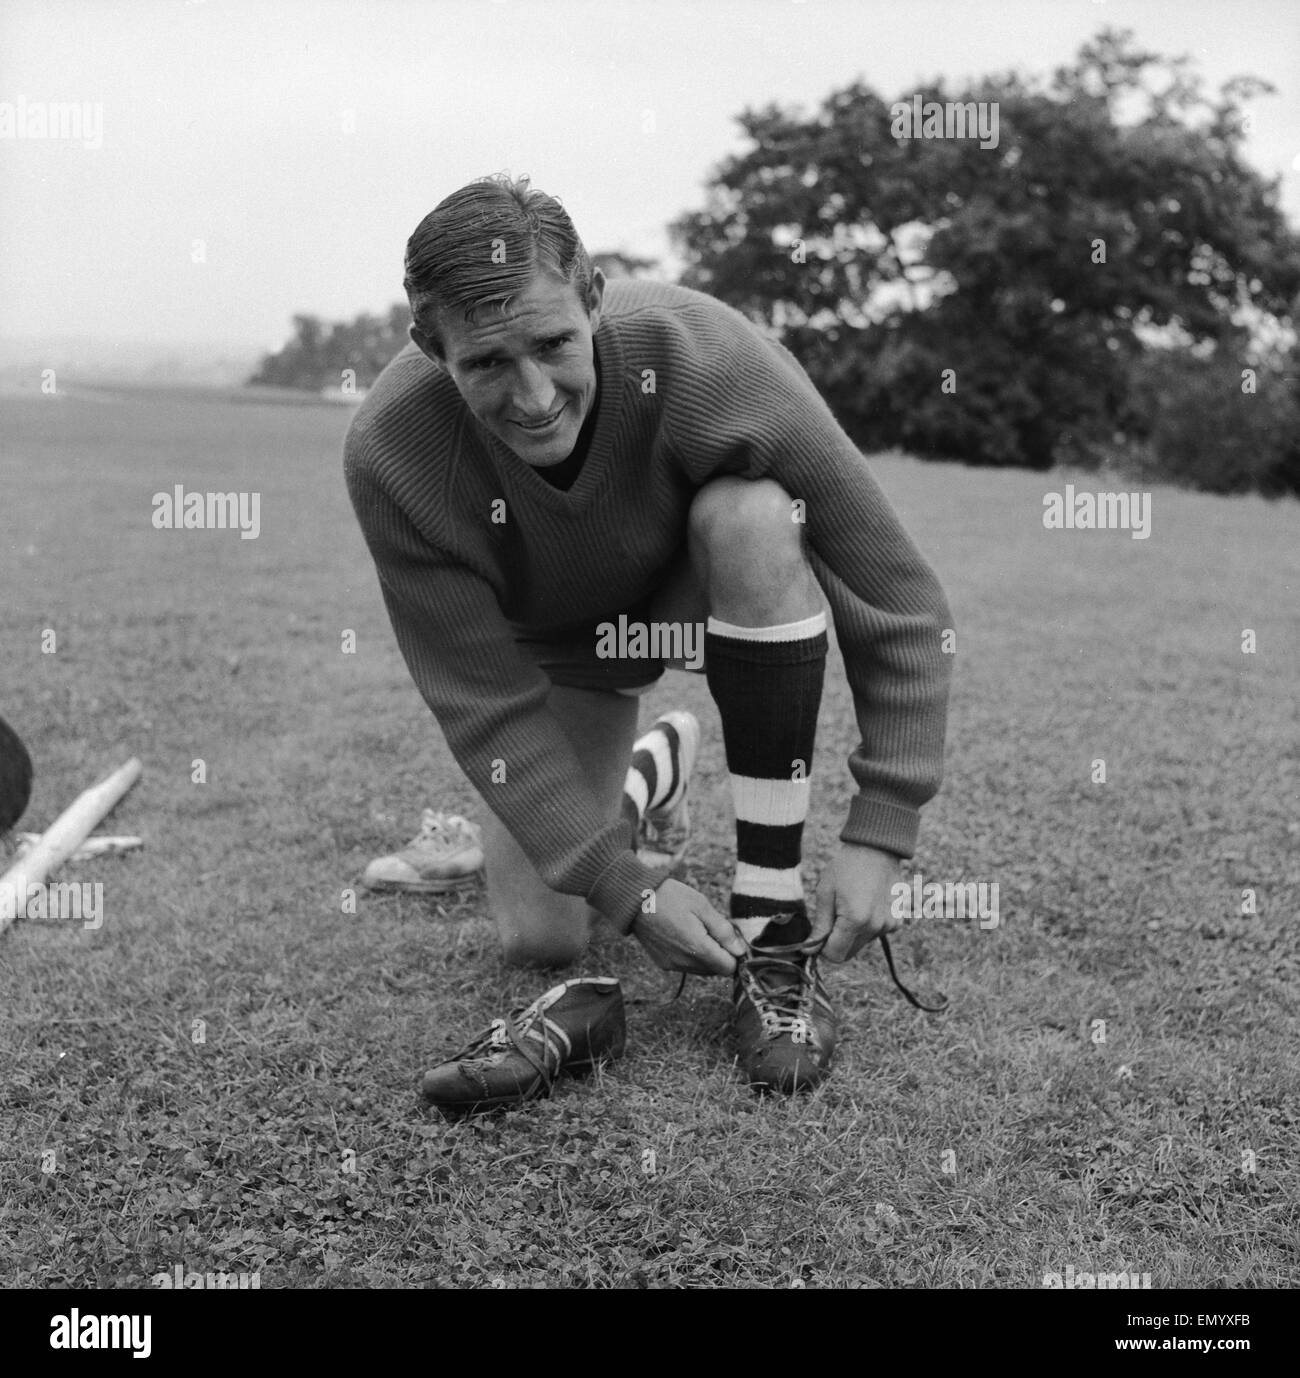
(541, 427)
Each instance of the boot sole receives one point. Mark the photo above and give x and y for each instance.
(423, 887)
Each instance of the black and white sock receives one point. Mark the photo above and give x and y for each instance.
(656, 779)
(767, 683)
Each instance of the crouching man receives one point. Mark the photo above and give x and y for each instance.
(553, 456)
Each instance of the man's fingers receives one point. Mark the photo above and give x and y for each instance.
(824, 921)
(846, 940)
(691, 937)
(839, 947)
(718, 943)
(723, 932)
(718, 961)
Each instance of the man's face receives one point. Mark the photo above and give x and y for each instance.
(527, 373)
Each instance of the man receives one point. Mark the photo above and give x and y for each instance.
(553, 454)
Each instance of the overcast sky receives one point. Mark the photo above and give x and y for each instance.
(302, 140)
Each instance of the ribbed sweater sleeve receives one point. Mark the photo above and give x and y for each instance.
(491, 704)
(746, 406)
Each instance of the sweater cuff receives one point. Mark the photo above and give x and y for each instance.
(620, 889)
(878, 823)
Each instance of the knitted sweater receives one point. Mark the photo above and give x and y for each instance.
(690, 390)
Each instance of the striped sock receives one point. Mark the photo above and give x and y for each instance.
(767, 683)
(654, 781)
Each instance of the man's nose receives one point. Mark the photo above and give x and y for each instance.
(534, 392)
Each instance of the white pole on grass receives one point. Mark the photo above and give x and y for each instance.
(68, 831)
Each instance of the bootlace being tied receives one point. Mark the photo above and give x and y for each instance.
(912, 1000)
(813, 949)
(786, 1007)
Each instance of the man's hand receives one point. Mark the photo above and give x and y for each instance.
(685, 933)
(853, 900)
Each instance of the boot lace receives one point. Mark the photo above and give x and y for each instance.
(783, 986)
(524, 1031)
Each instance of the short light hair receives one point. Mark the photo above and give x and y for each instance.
(482, 245)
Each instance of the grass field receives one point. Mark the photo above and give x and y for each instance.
(983, 1148)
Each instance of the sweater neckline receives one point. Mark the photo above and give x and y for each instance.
(525, 479)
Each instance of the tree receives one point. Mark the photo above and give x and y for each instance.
(1034, 268)
(318, 355)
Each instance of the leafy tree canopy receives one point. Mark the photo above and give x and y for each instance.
(1116, 201)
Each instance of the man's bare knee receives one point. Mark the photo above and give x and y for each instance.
(746, 544)
(732, 510)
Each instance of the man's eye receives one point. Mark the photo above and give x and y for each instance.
(482, 365)
(557, 343)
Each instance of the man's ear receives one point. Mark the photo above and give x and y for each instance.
(596, 299)
(428, 348)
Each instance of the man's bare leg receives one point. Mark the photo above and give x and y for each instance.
(538, 926)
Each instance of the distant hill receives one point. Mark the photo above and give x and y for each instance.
(91, 360)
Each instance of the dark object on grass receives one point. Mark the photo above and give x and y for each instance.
(15, 777)
(572, 1027)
